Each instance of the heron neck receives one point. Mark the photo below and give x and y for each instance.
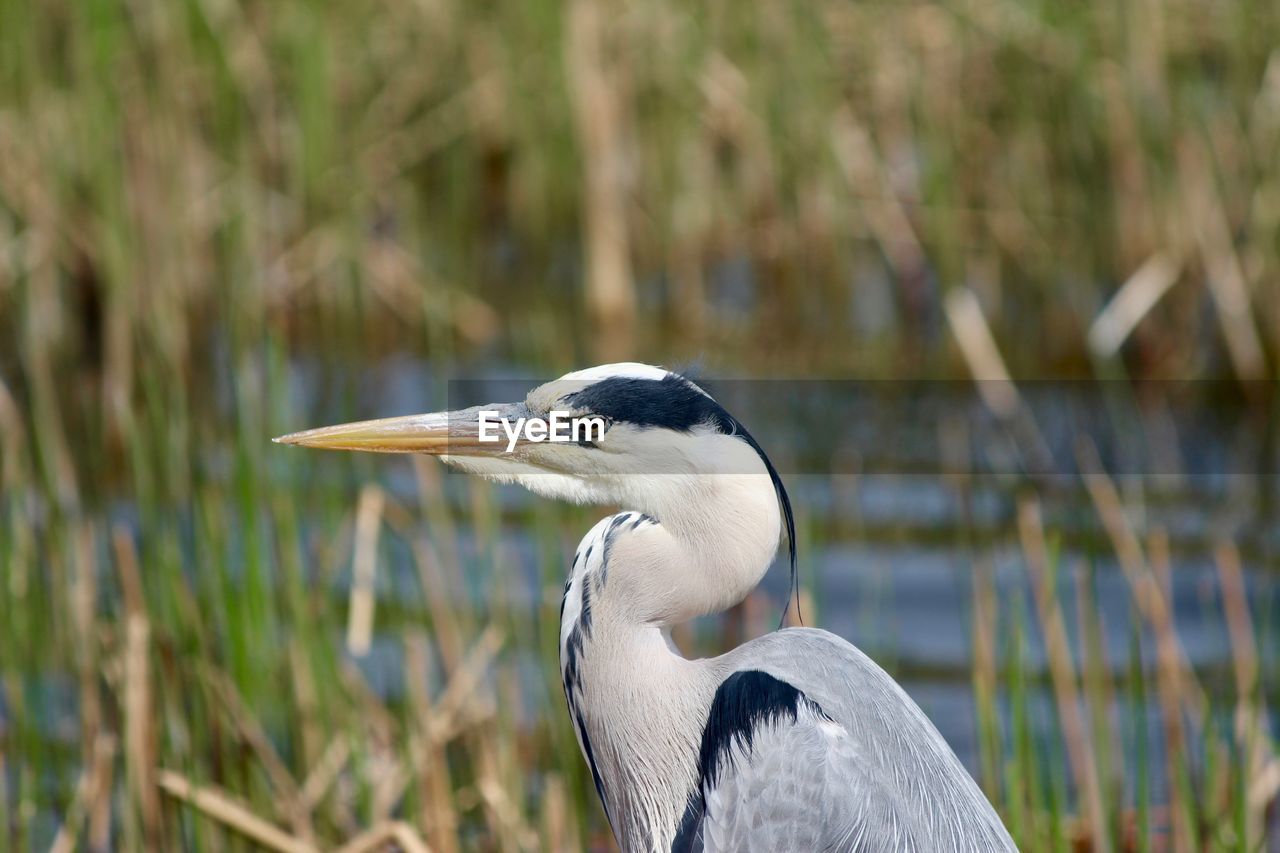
(641, 711)
(638, 706)
(724, 536)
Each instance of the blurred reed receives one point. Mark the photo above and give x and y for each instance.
(194, 194)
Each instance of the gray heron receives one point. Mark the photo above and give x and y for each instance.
(793, 741)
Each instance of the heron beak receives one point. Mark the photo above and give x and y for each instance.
(436, 434)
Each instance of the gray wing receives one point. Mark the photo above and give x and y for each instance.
(857, 766)
(797, 787)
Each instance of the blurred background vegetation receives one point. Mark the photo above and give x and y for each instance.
(221, 221)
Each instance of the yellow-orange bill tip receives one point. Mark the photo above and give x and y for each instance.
(429, 433)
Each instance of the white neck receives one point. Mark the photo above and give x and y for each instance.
(720, 533)
(638, 705)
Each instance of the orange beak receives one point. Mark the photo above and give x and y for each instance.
(436, 434)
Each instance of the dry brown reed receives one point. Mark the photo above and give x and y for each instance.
(226, 810)
(140, 731)
(1133, 301)
(592, 69)
(364, 571)
(1075, 733)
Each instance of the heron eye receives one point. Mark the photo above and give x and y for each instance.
(589, 432)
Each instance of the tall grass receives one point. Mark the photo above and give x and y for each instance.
(322, 173)
(197, 198)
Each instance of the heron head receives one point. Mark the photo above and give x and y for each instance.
(632, 435)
